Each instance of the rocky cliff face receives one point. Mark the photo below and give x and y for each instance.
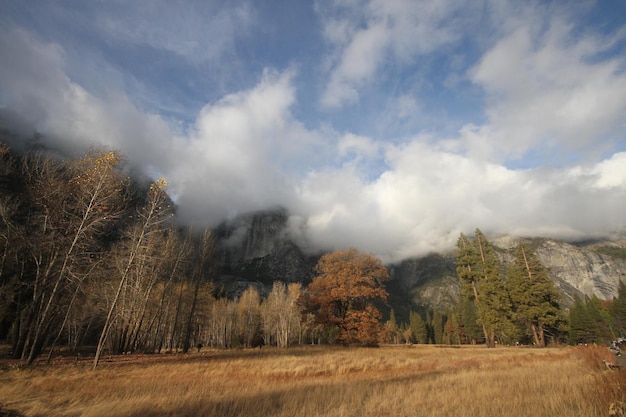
(577, 269)
(257, 248)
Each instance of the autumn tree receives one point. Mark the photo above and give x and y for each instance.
(280, 314)
(249, 316)
(150, 218)
(203, 269)
(222, 326)
(73, 205)
(162, 326)
(13, 244)
(344, 293)
(392, 329)
(534, 297)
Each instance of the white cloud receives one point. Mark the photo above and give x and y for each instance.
(247, 150)
(611, 173)
(234, 158)
(199, 31)
(373, 31)
(427, 197)
(547, 89)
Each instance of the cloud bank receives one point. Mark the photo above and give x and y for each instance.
(547, 157)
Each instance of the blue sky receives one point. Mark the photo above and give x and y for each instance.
(387, 125)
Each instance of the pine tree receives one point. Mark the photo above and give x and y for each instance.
(452, 330)
(466, 268)
(418, 328)
(589, 321)
(495, 310)
(599, 315)
(618, 310)
(535, 299)
(470, 330)
(437, 327)
(478, 271)
(581, 327)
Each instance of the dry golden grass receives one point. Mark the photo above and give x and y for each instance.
(313, 381)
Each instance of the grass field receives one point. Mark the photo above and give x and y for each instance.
(315, 381)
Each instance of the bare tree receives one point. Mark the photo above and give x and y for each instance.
(203, 269)
(249, 316)
(74, 203)
(281, 316)
(151, 216)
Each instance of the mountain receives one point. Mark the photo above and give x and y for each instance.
(257, 249)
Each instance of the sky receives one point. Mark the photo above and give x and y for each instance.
(387, 125)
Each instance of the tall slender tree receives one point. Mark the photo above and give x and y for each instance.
(204, 268)
(536, 302)
(478, 270)
(249, 316)
(618, 310)
(495, 310)
(74, 204)
(467, 268)
(151, 216)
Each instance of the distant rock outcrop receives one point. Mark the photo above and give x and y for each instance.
(577, 269)
(256, 248)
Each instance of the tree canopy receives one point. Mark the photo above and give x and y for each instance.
(534, 297)
(481, 282)
(344, 294)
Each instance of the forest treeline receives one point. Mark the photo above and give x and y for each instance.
(512, 304)
(90, 257)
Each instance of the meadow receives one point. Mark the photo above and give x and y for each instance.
(321, 381)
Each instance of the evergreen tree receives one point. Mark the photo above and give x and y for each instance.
(600, 318)
(589, 321)
(581, 327)
(535, 299)
(470, 330)
(478, 271)
(618, 311)
(452, 330)
(466, 268)
(437, 327)
(495, 309)
(391, 327)
(418, 328)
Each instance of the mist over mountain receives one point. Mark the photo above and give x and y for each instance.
(260, 247)
(257, 248)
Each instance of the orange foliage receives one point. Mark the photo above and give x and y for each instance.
(344, 293)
